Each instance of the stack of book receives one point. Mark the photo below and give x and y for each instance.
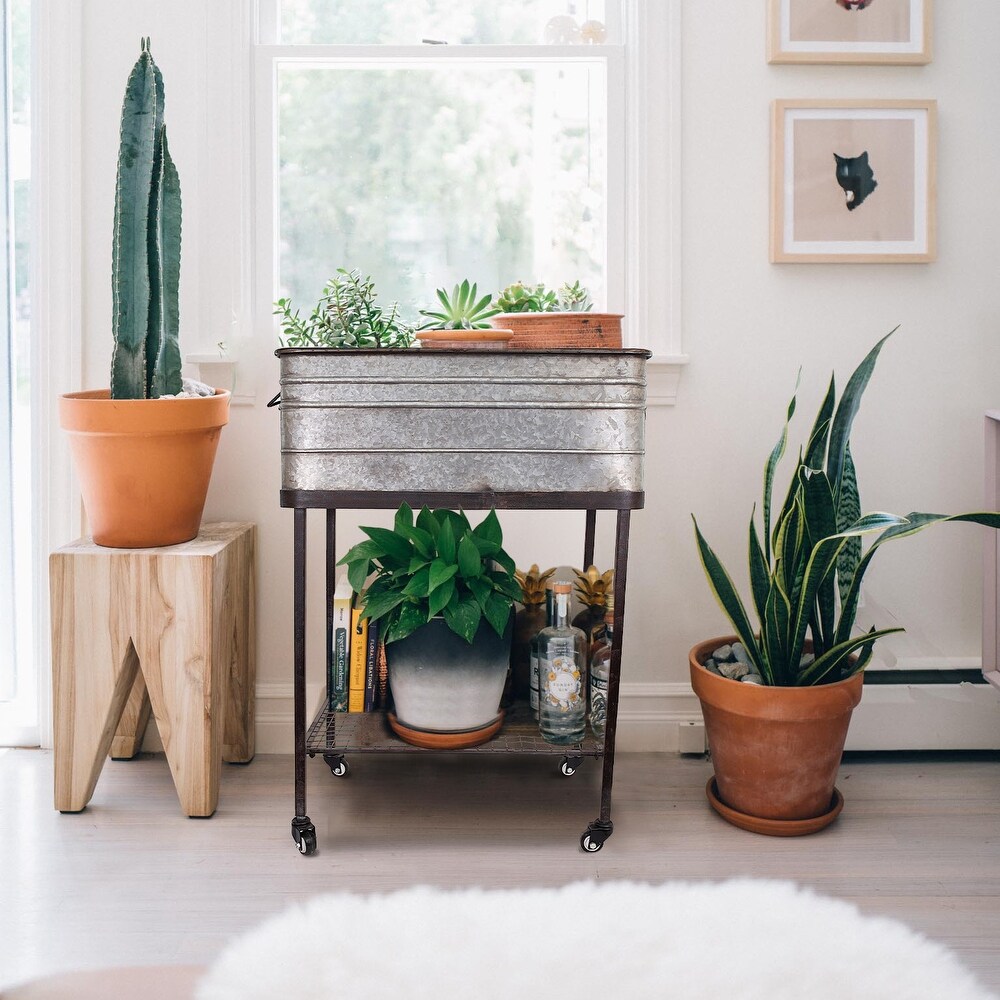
(352, 671)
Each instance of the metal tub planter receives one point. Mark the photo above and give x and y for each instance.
(462, 422)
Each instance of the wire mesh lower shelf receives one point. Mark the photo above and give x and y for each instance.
(369, 732)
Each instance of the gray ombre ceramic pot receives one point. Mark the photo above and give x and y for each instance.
(442, 683)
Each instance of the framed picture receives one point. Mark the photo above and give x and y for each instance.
(853, 181)
(849, 31)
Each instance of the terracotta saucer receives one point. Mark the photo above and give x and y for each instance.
(774, 827)
(445, 741)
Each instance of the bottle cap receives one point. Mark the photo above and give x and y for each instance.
(563, 588)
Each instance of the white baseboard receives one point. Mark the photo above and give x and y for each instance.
(661, 717)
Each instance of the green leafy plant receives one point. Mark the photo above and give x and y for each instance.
(434, 564)
(347, 315)
(461, 310)
(146, 253)
(806, 575)
(519, 297)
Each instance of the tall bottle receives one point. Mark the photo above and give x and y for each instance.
(562, 675)
(533, 654)
(600, 671)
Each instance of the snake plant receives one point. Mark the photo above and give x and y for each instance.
(461, 310)
(806, 572)
(146, 254)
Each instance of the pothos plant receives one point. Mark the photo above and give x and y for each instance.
(347, 315)
(434, 564)
(806, 572)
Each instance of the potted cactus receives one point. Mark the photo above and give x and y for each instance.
(144, 448)
(542, 318)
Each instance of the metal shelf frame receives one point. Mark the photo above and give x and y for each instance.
(515, 737)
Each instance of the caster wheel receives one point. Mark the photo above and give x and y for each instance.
(591, 843)
(567, 768)
(304, 836)
(339, 767)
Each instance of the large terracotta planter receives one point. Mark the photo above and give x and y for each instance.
(776, 750)
(144, 464)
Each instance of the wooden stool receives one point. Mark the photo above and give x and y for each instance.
(170, 629)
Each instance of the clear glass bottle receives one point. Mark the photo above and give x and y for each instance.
(533, 654)
(562, 675)
(600, 672)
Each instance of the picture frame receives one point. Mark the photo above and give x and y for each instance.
(853, 181)
(849, 31)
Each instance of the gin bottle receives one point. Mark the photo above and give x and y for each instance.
(533, 651)
(600, 672)
(562, 675)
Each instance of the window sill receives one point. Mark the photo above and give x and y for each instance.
(663, 376)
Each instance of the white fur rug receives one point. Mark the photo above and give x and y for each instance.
(737, 940)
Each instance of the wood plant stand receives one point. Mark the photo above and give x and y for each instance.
(334, 735)
(163, 630)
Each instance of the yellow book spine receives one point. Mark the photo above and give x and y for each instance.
(359, 647)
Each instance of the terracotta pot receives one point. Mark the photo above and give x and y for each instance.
(541, 331)
(776, 750)
(465, 340)
(144, 464)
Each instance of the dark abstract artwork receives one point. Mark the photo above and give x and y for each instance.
(854, 4)
(855, 176)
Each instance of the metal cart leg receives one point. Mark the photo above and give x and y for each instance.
(303, 831)
(594, 836)
(588, 539)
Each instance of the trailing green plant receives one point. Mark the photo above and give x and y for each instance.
(461, 310)
(806, 574)
(434, 564)
(146, 253)
(346, 315)
(519, 297)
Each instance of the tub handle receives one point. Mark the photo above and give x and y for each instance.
(275, 400)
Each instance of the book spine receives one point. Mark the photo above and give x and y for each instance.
(359, 652)
(338, 687)
(371, 666)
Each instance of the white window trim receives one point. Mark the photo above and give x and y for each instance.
(647, 285)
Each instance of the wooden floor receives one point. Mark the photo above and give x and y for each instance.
(131, 881)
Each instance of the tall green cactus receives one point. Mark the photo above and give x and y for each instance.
(146, 253)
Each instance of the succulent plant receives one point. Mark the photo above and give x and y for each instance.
(461, 310)
(146, 253)
(519, 297)
(533, 584)
(574, 298)
(347, 315)
(593, 586)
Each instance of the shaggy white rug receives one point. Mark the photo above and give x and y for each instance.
(738, 940)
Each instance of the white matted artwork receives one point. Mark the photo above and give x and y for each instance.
(853, 181)
(849, 31)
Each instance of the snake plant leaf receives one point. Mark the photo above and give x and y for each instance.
(832, 660)
(759, 575)
(821, 522)
(774, 638)
(847, 409)
(166, 378)
(129, 259)
(820, 435)
(729, 599)
(848, 511)
(772, 463)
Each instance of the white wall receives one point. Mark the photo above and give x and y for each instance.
(748, 326)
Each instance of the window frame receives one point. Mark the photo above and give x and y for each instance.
(643, 191)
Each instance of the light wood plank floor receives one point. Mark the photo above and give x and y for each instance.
(132, 881)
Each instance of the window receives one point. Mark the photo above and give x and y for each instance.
(18, 708)
(426, 142)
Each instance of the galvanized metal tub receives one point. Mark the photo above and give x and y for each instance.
(460, 421)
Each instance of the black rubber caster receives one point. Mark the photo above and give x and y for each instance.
(339, 767)
(569, 766)
(594, 836)
(304, 835)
